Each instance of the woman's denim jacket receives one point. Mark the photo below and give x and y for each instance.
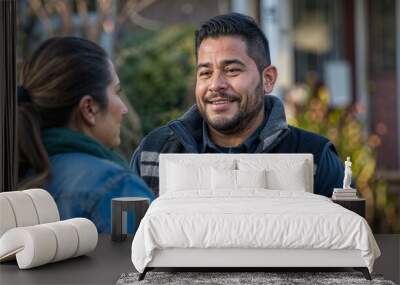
(83, 186)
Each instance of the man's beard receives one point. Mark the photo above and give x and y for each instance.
(242, 119)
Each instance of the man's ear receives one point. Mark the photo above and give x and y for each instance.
(270, 74)
(88, 108)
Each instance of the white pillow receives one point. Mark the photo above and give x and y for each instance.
(251, 178)
(223, 179)
(282, 174)
(295, 180)
(185, 174)
(236, 179)
(183, 177)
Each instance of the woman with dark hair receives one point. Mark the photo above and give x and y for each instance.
(69, 119)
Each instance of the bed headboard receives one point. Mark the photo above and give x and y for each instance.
(286, 166)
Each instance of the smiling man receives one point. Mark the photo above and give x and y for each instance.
(234, 112)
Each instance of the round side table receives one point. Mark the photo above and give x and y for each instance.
(119, 209)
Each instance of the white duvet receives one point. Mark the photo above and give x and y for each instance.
(253, 218)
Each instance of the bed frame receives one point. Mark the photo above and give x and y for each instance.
(245, 259)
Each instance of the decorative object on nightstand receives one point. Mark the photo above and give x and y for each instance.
(347, 196)
(120, 208)
(347, 174)
(345, 193)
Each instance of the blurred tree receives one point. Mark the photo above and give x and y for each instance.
(91, 19)
(156, 71)
(308, 108)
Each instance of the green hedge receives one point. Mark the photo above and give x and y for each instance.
(156, 72)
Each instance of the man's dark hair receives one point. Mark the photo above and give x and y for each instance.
(235, 24)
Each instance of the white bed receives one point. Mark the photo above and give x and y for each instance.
(247, 210)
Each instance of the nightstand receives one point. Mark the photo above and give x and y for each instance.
(356, 205)
(119, 209)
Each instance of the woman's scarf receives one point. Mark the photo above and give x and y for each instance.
(64, 140)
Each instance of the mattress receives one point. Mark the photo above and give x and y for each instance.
(250, 219)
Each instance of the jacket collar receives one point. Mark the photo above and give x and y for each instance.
(189, 127)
